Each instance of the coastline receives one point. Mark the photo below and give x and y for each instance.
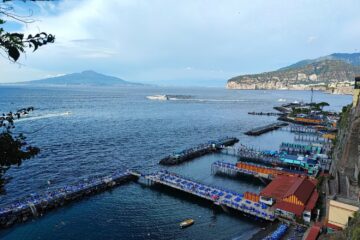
(289, 89)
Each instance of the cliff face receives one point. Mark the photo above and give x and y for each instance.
(321, 74)
(346, 157)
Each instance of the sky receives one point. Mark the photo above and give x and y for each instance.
(181, 43)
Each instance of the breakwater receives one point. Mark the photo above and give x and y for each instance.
(248, 203)
(198, 151)
(264, 129)
(38, 204)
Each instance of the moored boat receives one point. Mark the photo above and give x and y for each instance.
(187, 223)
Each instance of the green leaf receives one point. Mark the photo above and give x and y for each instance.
(14, 53)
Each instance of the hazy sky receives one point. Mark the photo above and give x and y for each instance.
(185, 42)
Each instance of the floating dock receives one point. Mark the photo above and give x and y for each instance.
(264, 129)
(247, 203)
(198, 151)
(36, 205)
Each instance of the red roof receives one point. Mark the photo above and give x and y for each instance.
(304, 191)
(290, 207)
(312, 201)
(285, 186)
(314, 233)
(280, 186)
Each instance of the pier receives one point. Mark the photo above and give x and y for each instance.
(247, 203)
(294, 148)
(301, 129)
(233, 170)
(198, 151)
(264, 129)
(250, 169)
(265, 113)
(249, 154)
(311, 138)
(288, 163)
(37, 204)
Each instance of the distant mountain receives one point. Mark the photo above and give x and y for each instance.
(86, 78)
(334, 73)
(350, 58)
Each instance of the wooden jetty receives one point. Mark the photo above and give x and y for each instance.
(198, 151)
(36, 205)
(247, 203)
(264, 129)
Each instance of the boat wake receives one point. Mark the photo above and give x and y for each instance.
(189, 98)
(49, 115)
(158, 97)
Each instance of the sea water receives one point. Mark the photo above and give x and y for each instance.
(88, 132)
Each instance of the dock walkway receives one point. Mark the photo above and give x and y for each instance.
(198, 151)
(250, 169)
(233, 170)
(37, 204)
(265, 113)
(216, 195)
(267, 128)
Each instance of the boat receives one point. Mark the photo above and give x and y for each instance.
(187, 223)
(158, 97)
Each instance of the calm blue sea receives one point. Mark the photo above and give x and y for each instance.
(86, 132)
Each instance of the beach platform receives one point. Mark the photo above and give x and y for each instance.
(38, 204)
(198, 151)
(267, 128)
(247, 203)
(264, 173)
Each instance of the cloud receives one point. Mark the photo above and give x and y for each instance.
(311, 39)
(143, 40)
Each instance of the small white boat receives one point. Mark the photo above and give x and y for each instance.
(158, 97)
(187, 223)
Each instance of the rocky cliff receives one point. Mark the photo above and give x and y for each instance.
(332, 73)
(346, 156)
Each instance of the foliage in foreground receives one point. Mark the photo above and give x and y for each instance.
(13, 147)
(15, 44)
